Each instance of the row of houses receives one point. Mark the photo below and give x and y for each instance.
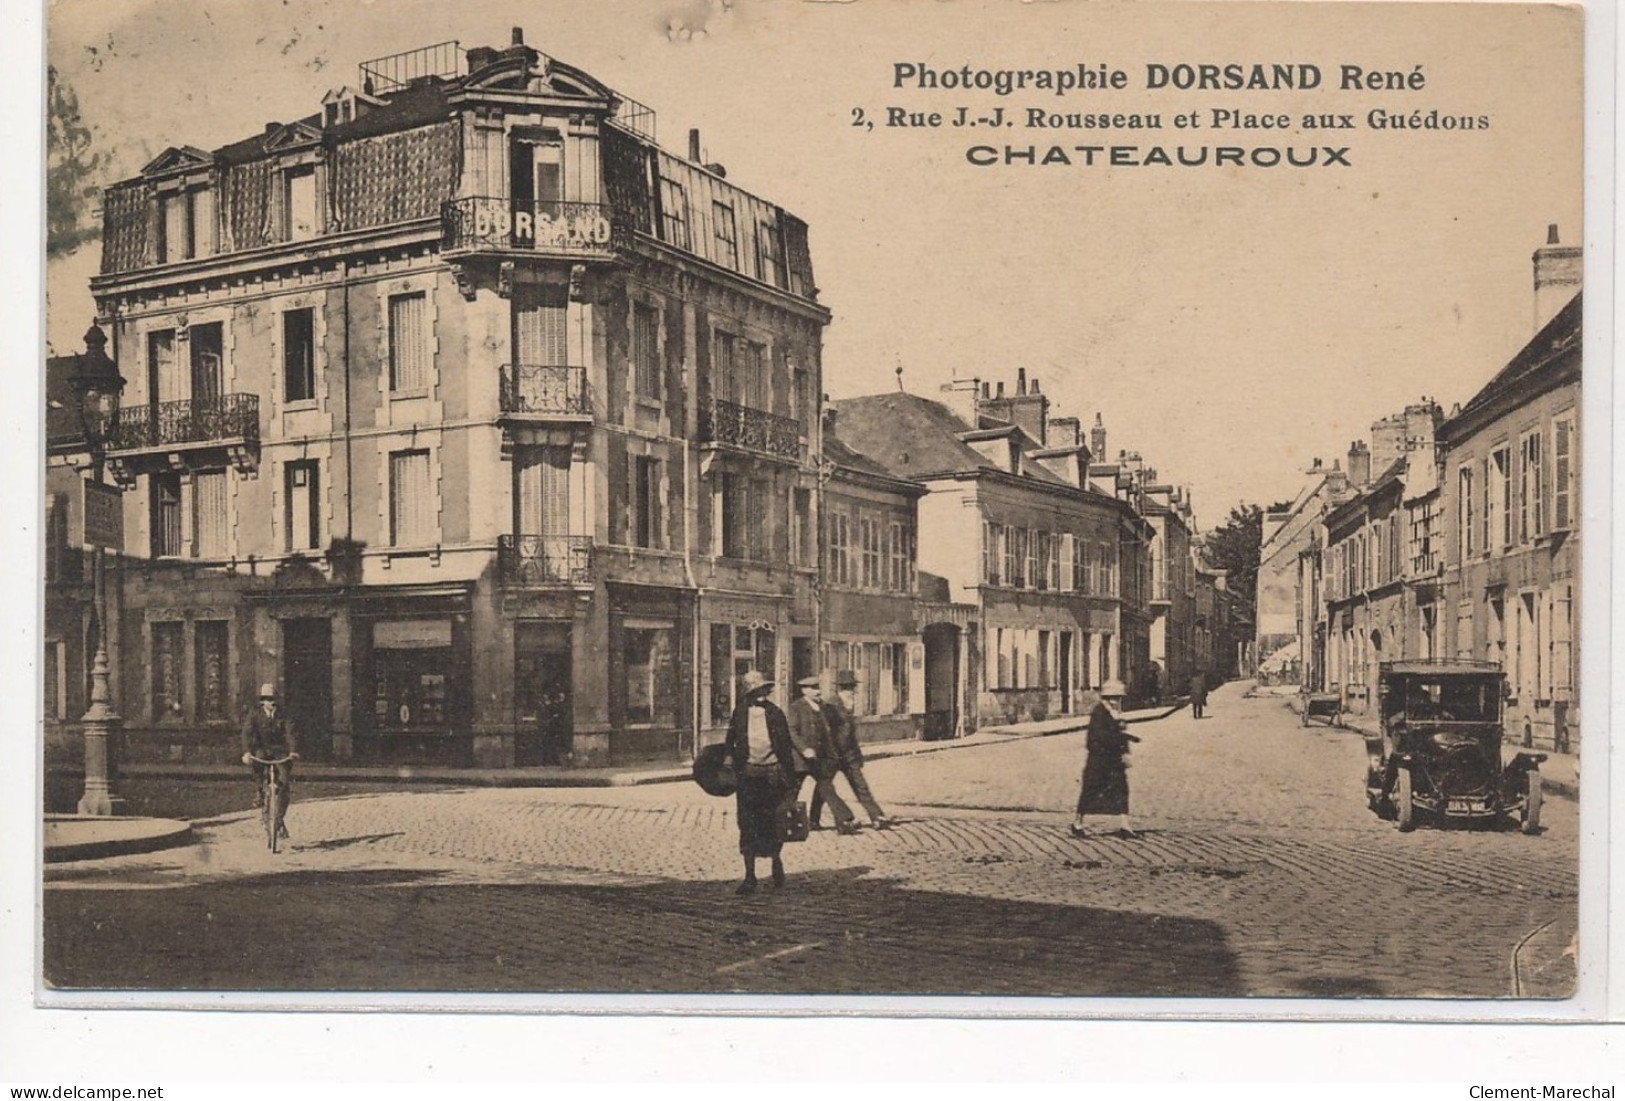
(1448, 537)
(492, 432)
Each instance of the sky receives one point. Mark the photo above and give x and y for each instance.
(1229, 323)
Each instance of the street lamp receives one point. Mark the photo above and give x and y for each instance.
(98, 387)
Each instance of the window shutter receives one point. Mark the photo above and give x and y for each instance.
(408, 343)
(209, 515)
(1562, 475)
(1562, 636)
(539, 325)
(410, 503)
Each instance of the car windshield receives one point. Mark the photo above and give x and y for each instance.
(1447, 699)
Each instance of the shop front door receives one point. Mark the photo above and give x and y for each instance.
(543, 712)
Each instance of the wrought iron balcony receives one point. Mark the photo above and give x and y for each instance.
(724, 422)
(501, 225)
(223, 420)
(532, 560)
(538, 390)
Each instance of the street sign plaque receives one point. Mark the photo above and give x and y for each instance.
(104, 516)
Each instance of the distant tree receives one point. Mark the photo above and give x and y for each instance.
(1233, 547)
(72, 171)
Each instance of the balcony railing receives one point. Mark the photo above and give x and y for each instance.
(753, 429)
(538, 390)
(573, 229)
(189, 421)
(525, 560)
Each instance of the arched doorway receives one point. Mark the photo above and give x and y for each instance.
(941, 680)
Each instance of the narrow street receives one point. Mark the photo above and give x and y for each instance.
(1259, 872)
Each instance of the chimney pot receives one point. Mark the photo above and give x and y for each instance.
(1000, 392)
(1035, 386)
(694, 146)
(1551, 234)
(987, 389)
(1021, 380)
(518, 36)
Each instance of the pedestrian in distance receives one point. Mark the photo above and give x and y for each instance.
(268, 735)
(1198, 694)
(768, 771)
(809, 730)
(1105, 772)
(847, 754)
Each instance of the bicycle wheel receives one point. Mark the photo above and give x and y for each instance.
(272, 815)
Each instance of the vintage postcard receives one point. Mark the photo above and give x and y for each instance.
(962, 501)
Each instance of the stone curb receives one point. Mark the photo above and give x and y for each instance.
(113, 837)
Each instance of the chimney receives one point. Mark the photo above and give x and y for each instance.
(1021, 381)
(478, 58)
(1558, 268)
(1068, 431)
(962, 397)
(1000, 392)
(1359, 463)
(518, 37)
(694, 146)
(1097, 437)
(987, 390)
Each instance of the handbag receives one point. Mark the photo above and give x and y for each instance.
(792, 820)
(714, 770)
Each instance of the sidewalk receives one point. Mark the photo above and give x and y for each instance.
(76, 838)
(1559, 773)
(626, 776)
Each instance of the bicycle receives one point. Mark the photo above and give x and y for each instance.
(276, 796)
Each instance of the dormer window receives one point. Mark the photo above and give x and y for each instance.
(299, 203)
(185, 224)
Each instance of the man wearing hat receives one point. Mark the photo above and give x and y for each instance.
(768, 769)
(841, 716)
(809, 729)
(268, 734)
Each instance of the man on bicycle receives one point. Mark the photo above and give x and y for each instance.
(269, 735)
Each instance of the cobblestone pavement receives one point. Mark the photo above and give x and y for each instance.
(1259, 872)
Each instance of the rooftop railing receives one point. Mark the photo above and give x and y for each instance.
(566, 228)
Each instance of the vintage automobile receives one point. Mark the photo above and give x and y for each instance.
(1439, 749)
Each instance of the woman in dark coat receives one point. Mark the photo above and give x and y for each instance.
(768, 770)
(1105, 772)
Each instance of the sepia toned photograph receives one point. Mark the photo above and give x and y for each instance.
(980, 500)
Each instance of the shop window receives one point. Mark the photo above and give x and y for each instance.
(411, 660)
(210, 643)
(168, 656)
(299, 355)
(649, 657)
(735, 650)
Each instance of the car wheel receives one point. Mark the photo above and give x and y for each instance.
(1404, 807)
(1531, 804)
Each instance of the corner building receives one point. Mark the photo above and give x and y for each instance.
(477, 422)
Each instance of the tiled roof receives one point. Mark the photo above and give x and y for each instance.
(907, 435)
(1559, 335)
